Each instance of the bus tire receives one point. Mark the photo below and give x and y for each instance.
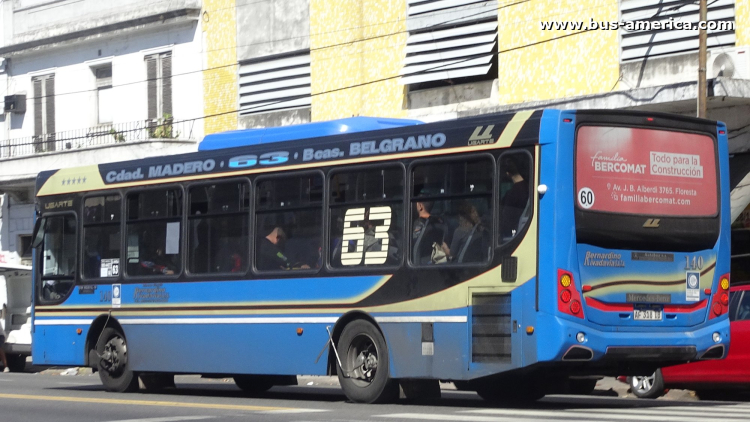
(16, 362)
(365, 376)
(114, 370)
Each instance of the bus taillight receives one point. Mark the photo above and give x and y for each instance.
(568, 297)
(720, 302)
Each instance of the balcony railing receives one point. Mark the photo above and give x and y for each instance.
(111, 134)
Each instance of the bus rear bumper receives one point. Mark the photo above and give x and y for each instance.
(582, 342)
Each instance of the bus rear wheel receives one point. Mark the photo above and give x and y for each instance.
(114, 370)
(364, 376)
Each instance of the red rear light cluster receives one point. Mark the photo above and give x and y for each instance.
(568, 297)
(720, 301)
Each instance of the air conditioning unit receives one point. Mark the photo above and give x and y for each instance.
(729, 63)
(15, 103)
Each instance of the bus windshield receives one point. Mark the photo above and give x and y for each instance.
(640, 171)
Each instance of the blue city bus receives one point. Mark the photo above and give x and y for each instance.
(516, 255)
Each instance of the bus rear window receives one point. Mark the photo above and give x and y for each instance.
(645, 171)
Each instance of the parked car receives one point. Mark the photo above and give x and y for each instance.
(15, 314)
(711, 379)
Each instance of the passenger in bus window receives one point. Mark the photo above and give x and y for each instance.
(92, 260)
(158, 264)
(228, 259)
(469, 238)
(513, 203)
(271, 252)
(428, 236)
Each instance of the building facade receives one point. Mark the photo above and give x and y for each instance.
(313, 60)
(91, 82)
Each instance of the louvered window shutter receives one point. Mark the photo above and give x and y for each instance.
(151, 87)
(38, 109)
(642, 44)
(166, 81)
(275, 84)
(49, 88)
(449, 39)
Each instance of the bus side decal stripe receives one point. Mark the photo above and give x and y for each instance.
(281, 320)
(63, 321)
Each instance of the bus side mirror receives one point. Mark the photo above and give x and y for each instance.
(38, 235)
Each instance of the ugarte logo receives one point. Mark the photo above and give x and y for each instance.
(482, 138)
(58, 204)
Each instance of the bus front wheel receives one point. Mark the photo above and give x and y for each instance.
(364, 376)
(114, 371)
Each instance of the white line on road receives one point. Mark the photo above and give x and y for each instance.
(168, 419)
(502, 415)
(464, 418)
(609, 414)
(274, 412)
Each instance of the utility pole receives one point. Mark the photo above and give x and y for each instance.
(702, 41)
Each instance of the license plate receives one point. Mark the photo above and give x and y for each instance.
(647, 313)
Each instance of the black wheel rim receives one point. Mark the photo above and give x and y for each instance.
(115, 356)
(362, 360)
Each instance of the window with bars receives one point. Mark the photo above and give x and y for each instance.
(276, 83)
(44, 112)
(159, 85)
(104, 99)
(641, 44)
(450, 42)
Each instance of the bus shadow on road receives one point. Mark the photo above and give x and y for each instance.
(448, 399)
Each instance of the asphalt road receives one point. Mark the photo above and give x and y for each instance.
(50, 396)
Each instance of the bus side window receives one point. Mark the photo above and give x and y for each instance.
(515, 193)
(288, 223)
(452, 211)
(153, 232)
(218, 227)
(366, 217)
(101, 237)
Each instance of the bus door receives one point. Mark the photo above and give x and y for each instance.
(56, 236)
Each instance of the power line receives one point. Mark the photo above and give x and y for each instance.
(237, 63)
(224, 113)
(313, 49)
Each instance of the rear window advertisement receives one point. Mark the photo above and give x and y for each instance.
(645, 171)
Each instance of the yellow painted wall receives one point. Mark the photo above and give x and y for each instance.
(742, 22)
(340, 58)
(587, 63)
(220, 76)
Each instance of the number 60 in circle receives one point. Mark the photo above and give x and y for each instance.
(586, 198)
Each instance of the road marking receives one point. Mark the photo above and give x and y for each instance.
(464, 418)
(168, 419)
(148, 403)
(275, 412)
(660, 414)
(508, 415)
